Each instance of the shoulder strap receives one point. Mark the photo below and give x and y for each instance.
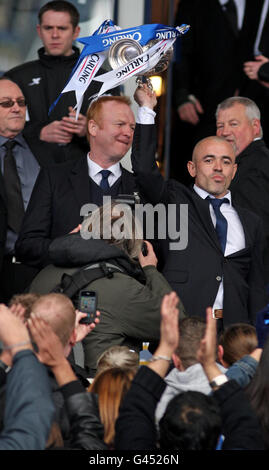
(72, 283)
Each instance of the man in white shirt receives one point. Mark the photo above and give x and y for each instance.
(221, 265)
(60, 192)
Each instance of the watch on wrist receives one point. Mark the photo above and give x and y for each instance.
(218, 381)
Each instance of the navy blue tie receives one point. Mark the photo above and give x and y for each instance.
(231, 13)
(104, 181)
(221, 221)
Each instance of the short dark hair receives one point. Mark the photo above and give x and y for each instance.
(238, 340)
(61, 5)
(192, 331)
(192, 421)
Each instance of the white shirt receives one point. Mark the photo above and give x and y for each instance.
(261, 25)
(235, 233)
(144, 116)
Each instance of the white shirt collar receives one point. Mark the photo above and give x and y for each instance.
(94, 168)
(204, 194)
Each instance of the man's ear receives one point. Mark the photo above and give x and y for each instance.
(38, 29)
(92, 127)
(73, 338)
(76, 32)
(191, 168)
(234, 170)
(256, 123)
(220, 354)
(177, 362)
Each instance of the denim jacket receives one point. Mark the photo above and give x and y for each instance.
(243, 370)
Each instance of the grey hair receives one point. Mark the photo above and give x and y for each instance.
(118, 356)
(252, 110)
(125, 229)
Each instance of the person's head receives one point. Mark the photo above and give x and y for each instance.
(110, 129)
(118, 356)
(192, 421)
(191, 331)
(12, 109)
(115, 224)
(59, 312)
(238, 120)
(26, 301)
(58, 27)
(213, 165)
(111, 386)
(236, 341)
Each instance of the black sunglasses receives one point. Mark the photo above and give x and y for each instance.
(9, 103)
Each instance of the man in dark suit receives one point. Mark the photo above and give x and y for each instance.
(256, 69)
(19, 168)
(61, 191)
(227, 272)
(209, 69)
(239, 122)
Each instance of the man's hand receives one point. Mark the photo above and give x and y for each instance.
(82, 329)
(206, 353)
(150, 259)
(169, 331)
(144, 96)
(19, 311)
(75, 126)
(169, 334)
(56, 133)
(13, 333)
(189, 112)
(252, 68)
(76, 229)
(50, 350)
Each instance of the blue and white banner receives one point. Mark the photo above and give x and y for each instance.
(95, 52)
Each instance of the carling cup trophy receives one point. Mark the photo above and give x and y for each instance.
(140, 51)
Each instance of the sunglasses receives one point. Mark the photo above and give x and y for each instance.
(9, 103)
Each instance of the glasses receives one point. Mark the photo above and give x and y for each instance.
(9, 103)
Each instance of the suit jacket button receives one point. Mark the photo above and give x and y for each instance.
(218, 278)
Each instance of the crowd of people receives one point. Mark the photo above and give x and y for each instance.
(184, 268)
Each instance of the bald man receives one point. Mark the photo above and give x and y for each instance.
(220, 263)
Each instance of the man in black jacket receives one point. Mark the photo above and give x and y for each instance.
(239, 122)
(43, 80)
(61, 191)
(197, 266)
(20, 162)
(210, 68)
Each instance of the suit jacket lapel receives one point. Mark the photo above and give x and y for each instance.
(203, 214)
(2, 189)
(245, 224)
(80, 181)
(127, 181)
(251, 21)
(263, 45)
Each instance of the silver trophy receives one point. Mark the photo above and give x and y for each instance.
(125, 50)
